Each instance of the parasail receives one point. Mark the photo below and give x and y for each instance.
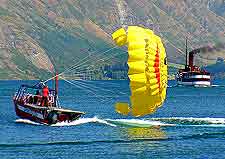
(147, 70)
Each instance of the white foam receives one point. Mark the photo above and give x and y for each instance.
(205, 125)
(217, 85)
(212, 122)
(26, 121)
(171, 86)
(207, 119)
(138, 122)
(83, 121)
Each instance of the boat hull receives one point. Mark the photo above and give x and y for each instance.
(193, 79)
(46, 115)
(195, 83)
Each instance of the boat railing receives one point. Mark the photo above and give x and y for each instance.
(37, 100)
(28, 98)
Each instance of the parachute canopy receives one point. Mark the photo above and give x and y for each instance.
(147, 70)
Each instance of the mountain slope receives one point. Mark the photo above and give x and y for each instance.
(37, 36)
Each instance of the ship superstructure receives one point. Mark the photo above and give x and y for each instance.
(193, 75)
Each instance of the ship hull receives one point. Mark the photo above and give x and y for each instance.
(191, 79)
(195, 83)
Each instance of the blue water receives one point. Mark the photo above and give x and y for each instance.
(192, 125)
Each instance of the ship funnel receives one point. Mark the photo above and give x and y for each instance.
(191, 56)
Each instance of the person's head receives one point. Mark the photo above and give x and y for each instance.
(45, 86)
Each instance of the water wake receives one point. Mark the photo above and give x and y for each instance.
(73, 123)
(26, 121)
(142, 123)
(137, 122)
(84, 121)
(218, 86)
(169, 121)
(191, 121)
(173, 86)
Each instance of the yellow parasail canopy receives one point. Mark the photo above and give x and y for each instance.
(147, 70)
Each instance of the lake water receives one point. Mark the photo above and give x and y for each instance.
(192, 125)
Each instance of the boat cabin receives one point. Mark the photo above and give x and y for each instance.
(32, 95)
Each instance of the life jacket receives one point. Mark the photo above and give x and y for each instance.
(45, 92)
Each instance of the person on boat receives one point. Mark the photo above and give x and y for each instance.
(45, 93)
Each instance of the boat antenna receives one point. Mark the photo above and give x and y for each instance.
(56, 89)
(186, 54)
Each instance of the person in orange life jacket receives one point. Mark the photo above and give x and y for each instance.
(45, 92)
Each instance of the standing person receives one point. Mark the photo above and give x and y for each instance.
(45, 92)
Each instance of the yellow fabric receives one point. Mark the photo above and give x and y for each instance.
(137, 55)
(122, 108)
(144, 47)
(120, 37)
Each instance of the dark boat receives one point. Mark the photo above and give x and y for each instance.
(29, 105)
(193, 75)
